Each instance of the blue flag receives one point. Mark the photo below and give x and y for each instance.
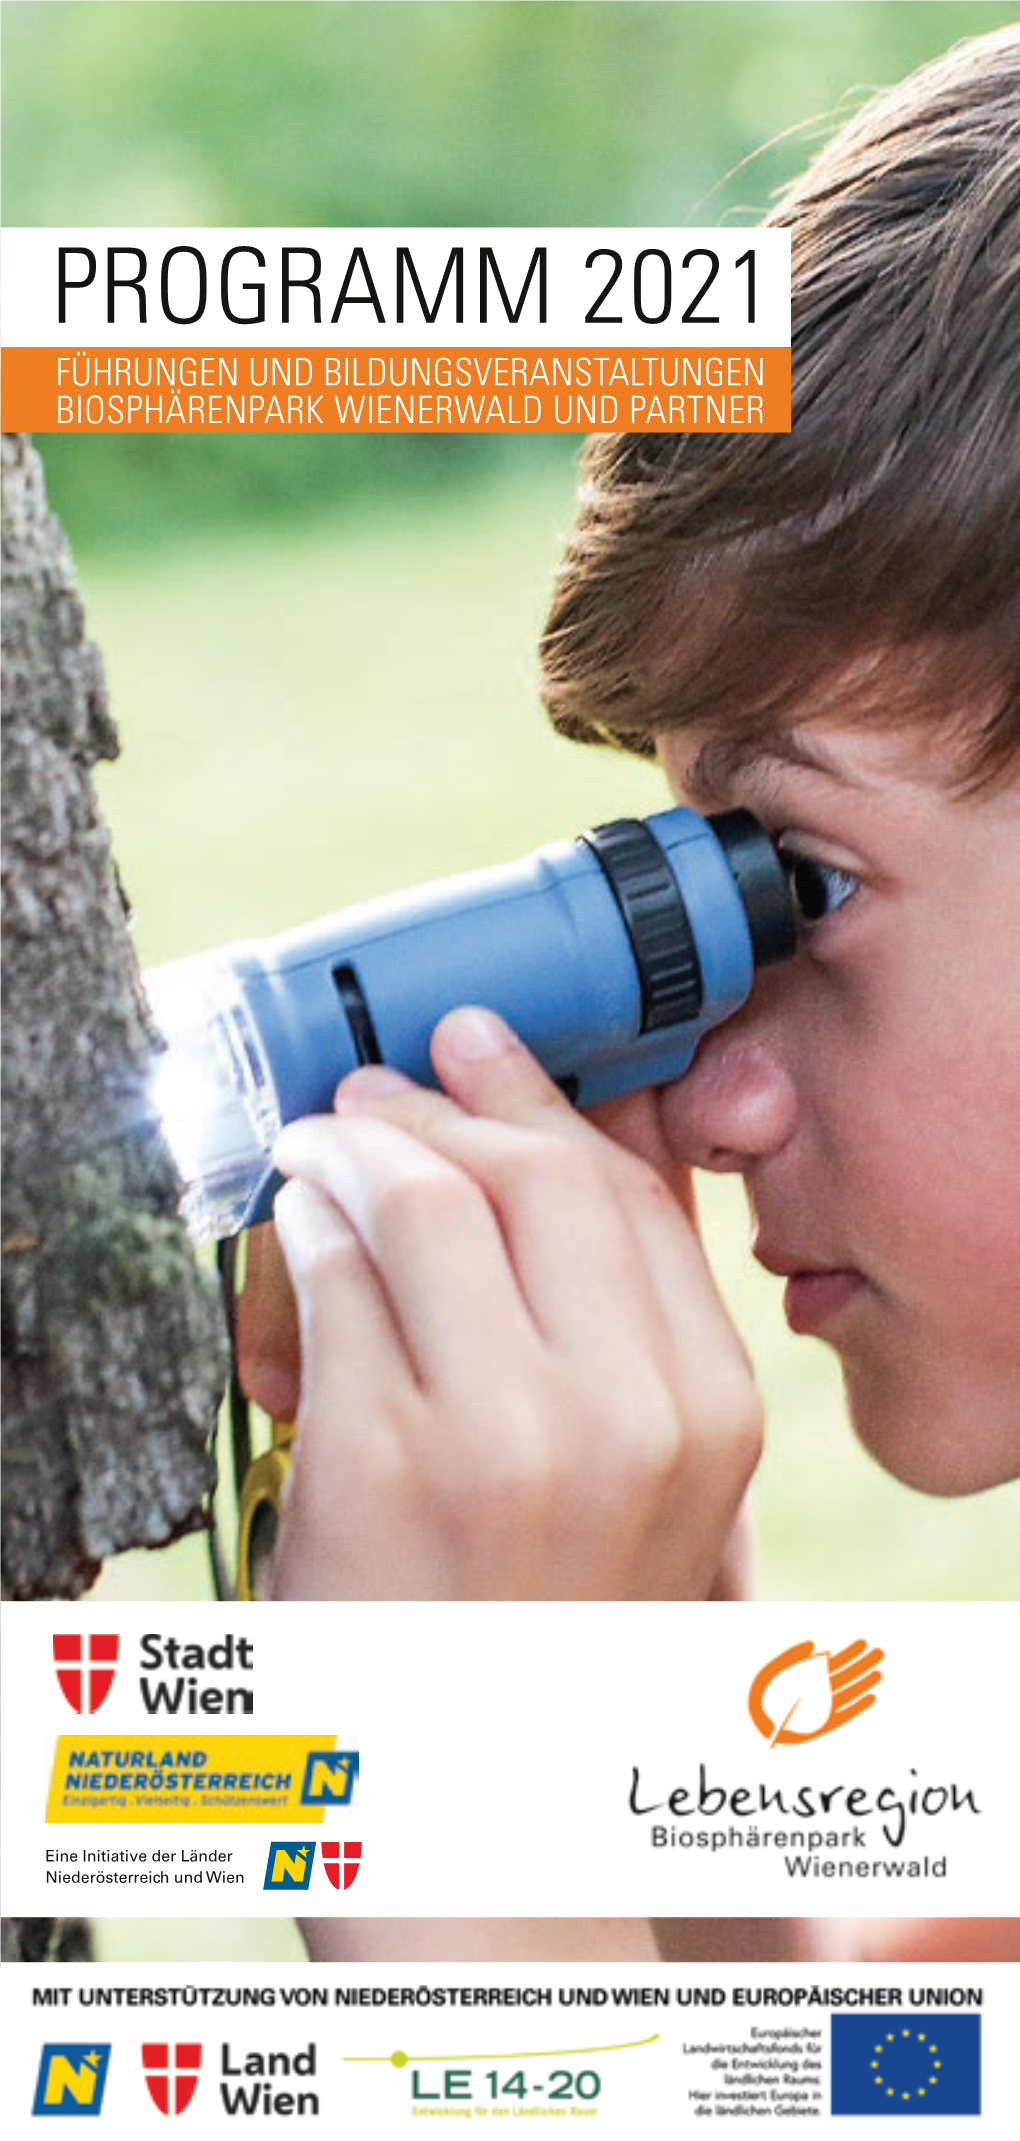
(895, 2069)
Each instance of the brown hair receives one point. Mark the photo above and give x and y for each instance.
(729, 582)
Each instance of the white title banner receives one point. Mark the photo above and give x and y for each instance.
(686, 287)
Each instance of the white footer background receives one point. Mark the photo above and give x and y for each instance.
(579, 2049)
(498, 1747)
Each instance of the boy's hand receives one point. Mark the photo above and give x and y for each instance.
(517, 1378)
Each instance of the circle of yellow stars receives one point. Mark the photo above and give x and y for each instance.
(931, 2081)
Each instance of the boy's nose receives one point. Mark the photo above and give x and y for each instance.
(736, 1104)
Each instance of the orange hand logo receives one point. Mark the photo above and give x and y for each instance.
(819, 1689)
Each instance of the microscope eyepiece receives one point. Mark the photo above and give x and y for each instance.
(762, 882)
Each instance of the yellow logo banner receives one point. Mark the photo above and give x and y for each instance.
(227, 1777)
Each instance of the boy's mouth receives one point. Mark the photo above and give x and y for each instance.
(814, 1293)
(812, 1298)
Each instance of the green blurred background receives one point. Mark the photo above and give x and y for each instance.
(309, 112)
(321, 652)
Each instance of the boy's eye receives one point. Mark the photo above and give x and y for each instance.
(818, 887)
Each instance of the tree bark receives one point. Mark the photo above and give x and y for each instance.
(46, 1940)
(112, 1342)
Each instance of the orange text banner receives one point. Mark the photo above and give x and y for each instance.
(424, 390)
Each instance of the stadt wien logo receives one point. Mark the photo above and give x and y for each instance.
(85, 1667)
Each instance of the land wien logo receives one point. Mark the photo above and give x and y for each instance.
(171, 2075)
(804, 1693)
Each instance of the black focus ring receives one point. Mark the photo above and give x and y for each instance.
(656, 920)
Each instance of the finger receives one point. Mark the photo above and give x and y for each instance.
(431, 1238)
(487, 1069)
(852, 1683)
(839, 1658)
(843, 1713)
(268, 1352)
(573, 1255)
(634, 1122)
(848, 1666)
(847, 1694)
(351, 1351)
(579, 1270)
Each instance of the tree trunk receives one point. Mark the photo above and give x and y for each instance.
(46, 1940)
(112, 1343)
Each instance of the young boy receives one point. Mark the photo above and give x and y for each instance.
(516, 1377)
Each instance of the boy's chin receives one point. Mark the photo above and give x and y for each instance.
(928, 1434)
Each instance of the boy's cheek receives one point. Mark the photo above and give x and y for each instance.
(940, 1184)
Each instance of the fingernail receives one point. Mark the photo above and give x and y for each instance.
(372, 1082)
(474, 1034)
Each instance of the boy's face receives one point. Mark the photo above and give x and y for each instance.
(869, 1093)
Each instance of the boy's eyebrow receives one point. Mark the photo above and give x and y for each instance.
(725, 760)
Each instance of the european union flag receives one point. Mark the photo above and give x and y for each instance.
(896, 2069)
